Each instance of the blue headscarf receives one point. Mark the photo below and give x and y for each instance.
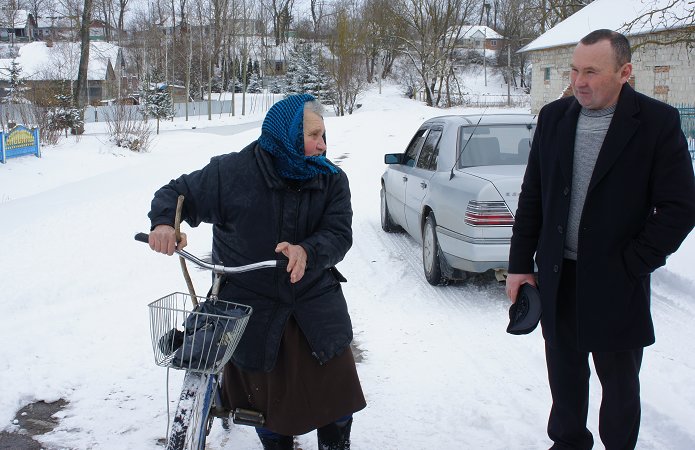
(282, 135)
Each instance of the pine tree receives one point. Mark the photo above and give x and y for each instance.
(158, 104)
(276, 86)
(304, 73)
(16, 83)
(255, 84)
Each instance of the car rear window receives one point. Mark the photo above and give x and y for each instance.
(495, 145)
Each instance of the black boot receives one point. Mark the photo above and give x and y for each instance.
(284, 443)
(334, 436)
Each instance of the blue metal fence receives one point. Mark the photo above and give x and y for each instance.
(687, 113)
(19, 141)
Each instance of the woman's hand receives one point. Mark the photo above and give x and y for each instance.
(297, 259)
(163, 239)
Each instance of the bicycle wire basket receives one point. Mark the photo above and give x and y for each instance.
(198, 339)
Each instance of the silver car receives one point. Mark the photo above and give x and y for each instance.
(455, 189)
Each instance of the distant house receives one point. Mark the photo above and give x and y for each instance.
(477, 36)
(98, 30)
(58, 28)
(52, 68)
(16, 25)
(661, 71)
(55, 28)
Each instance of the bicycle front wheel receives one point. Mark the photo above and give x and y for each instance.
(190, 424)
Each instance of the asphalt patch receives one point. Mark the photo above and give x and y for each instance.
(32, 420)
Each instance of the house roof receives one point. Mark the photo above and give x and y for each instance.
(61, 61)
(471, 31)
(14, 19)
(615, 15)
(54, 22)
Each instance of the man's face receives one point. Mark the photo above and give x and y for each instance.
(313, 134)
(596, 77)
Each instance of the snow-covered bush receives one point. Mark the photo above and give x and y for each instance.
(65, 118)
(126, 128)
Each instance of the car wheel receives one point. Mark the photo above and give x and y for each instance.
(431, 253)
(386, 222)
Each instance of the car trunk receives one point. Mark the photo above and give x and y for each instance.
(506, 179)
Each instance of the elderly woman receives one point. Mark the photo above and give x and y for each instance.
(280, 198)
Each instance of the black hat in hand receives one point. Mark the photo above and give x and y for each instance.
(525, 313)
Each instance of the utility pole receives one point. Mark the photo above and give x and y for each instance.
(509, 72)
(486, 6)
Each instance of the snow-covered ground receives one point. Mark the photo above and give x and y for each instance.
(438, 369)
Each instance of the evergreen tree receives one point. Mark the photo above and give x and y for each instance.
(304, 73)
(16, 83)
(158, 104)
(255, 84)
(276, 86)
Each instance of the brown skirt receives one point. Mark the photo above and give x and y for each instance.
(299, 394)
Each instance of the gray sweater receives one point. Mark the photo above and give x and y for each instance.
(592, 127)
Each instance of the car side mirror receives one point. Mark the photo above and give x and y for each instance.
(393, 158)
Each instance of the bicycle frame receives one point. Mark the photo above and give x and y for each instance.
(200, 392)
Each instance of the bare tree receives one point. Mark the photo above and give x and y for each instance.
(10, 17)
(72, 10)
(37, 8)
(515, 21)
(380, 27)
(548, 13)
(678, 16)
(432, 29)
(281, 12)
(345, 64)
(82, 79)
(317, 15)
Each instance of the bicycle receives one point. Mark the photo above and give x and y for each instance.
(212, 330)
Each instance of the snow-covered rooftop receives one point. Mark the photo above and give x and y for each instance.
(14, 19)
(61, 61)
(615, 15)
(469, 31)
(54, 22)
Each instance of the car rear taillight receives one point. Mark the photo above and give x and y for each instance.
(488, 214)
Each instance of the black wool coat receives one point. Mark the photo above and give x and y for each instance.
(252, 210)
(640, 206)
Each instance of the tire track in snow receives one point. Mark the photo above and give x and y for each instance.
(405, 352)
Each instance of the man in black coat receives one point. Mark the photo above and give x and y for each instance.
(608, 194)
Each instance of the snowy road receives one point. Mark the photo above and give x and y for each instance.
(438, 369)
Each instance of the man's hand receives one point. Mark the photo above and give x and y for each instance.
(163, 239)
(297, 259)
(514, 282)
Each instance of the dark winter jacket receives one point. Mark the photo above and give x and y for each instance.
(639, 207)
(252, 209)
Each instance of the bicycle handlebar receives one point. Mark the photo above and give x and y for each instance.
(216, 268)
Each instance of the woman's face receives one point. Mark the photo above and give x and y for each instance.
(313, 134)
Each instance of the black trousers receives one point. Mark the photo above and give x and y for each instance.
(568, 377)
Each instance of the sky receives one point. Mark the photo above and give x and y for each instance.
(438, 369)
